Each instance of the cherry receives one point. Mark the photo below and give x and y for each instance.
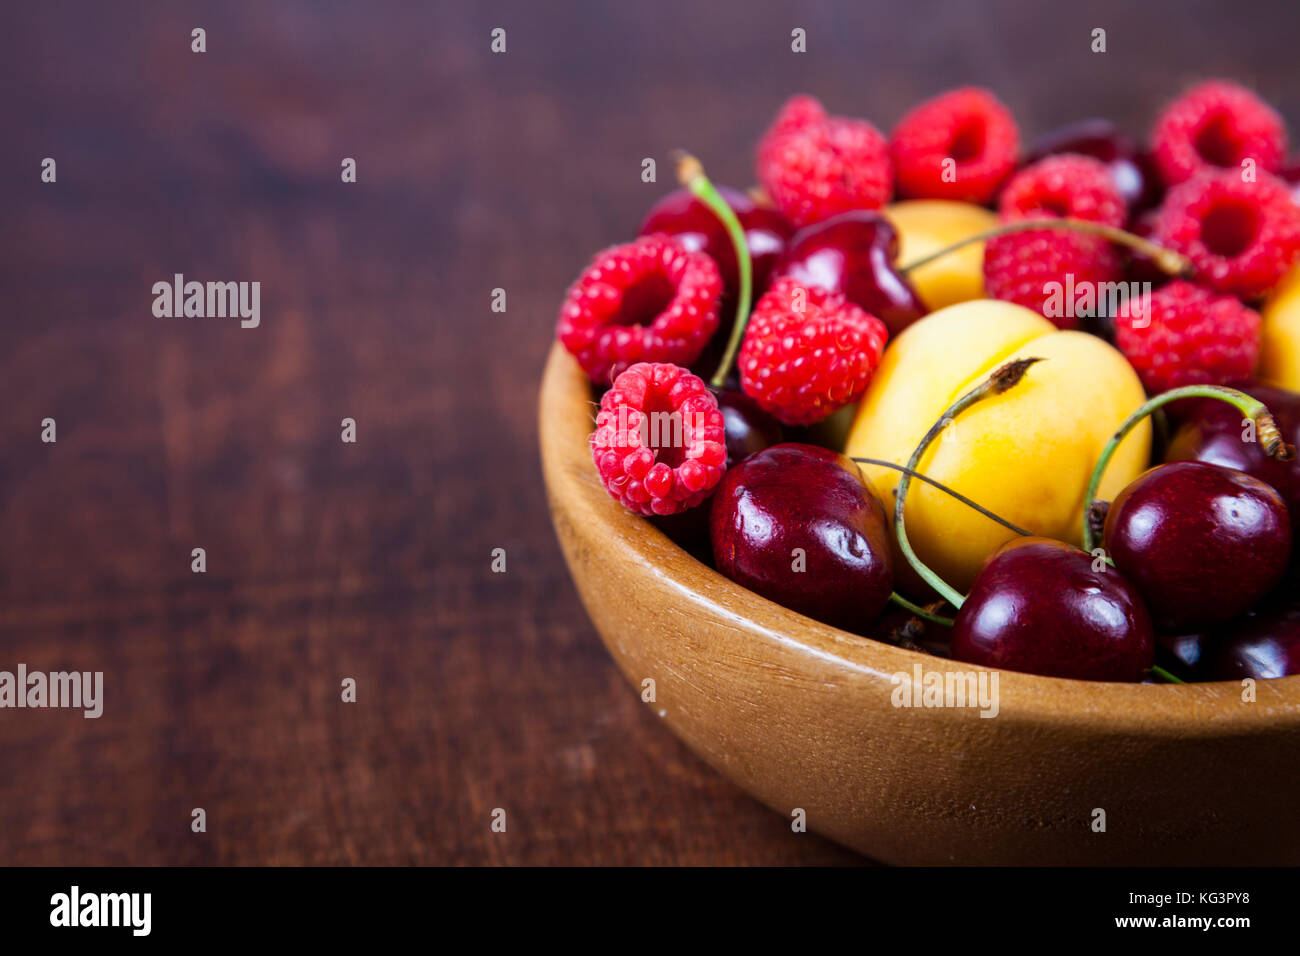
(1182, 654)
(682, 215)
(855, 253)
(1214, 433)
(1039, 606)
(749, 429)
(1201, 543)
(689, 530)
(1134, 175)
(799, 525)
(1265, 647)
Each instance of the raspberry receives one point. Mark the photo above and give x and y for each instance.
(813, 165)
(1241, 237)
(801, 364)
(648, 300)
(1216, 124)
(969, 126)
(1046, 269)
(1077, 187)
(1187, 335)
(660, 440)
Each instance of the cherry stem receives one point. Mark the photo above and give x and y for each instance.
(946, 490)
(1166, 260)
(690, 173)
(1004, 377)
(1266, 432)
(1165, 676)
(920, 611)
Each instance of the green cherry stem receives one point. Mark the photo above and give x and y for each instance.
(690, 173)
(1002, 378)
(1266, 432)
(1166, 260)
(1165, 676)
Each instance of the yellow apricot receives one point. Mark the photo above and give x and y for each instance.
(1280, 351)
(1025, 455)
(928, 225)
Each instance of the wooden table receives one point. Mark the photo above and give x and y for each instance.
(371, 560)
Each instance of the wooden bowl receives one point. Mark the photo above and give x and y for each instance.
(801, 715)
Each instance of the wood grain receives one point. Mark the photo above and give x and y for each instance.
(328, 560)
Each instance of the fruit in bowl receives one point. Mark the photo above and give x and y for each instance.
(1025, 455)
(899, 522)
(799, 525)
(1280, 348)
(803, 715)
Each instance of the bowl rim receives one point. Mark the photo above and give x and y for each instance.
(565, 422)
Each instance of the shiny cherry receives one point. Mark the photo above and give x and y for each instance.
(855, 253)
(1214, 433)
(1183, 655)
(766, 233)
(749, 429)
(1263, 647)
(1038, 606)
(1133, 173)
(799, 525)
(1200, 543)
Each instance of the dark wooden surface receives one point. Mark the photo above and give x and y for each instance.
(328, 560)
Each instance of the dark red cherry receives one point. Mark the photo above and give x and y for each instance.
(1200, 543)
(1132, 171)
(1183, 655)
(855, 253)
(766, 233)
(1214, 433)
(689, 530)
(1038, 606)
(798, 525)
(749, 428)
(1263, 647)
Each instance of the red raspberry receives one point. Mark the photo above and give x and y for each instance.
(814, 165)
(1047, 270)
(1076, 187)
(651, 299)
(969, 126)
(1183, 334)
(801, 364)
(1217, 124)
(660, 440)
(1242, 237)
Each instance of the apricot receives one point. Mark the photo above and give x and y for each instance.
(1026, 454)
(1279, 362)
(928, 225)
